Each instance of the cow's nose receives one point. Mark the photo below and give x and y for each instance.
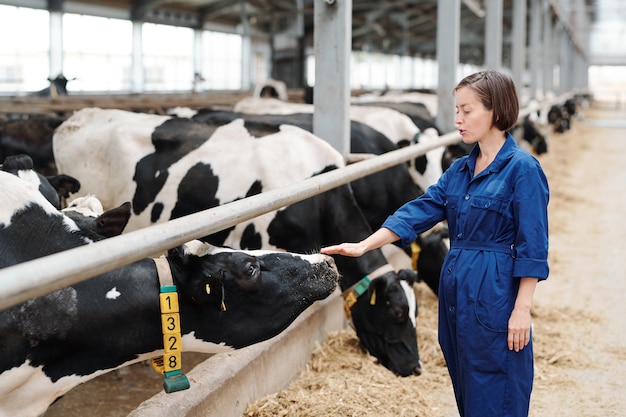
(418, 369)
(330, 262)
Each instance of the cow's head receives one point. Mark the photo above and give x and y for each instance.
(88, 214)
(428, 253)
(58, 85)
(384, 319)
(54, 188)
(251, 295)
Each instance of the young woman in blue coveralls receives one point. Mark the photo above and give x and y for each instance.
(495, 201)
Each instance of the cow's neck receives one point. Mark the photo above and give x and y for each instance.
(354, 269)
(164, 272)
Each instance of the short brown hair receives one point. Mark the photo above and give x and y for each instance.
(496, 91)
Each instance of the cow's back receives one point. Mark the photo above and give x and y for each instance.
(125, 156)
(100, 147)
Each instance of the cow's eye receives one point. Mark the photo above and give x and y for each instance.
(252, 270)
(249, 277)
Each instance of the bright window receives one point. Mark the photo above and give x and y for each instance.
(167, 57)
(97, 52)
(221, 61)
(24, 48)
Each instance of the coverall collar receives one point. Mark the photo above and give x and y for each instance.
(504, 154)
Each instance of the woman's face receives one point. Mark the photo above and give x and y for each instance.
(472, 118)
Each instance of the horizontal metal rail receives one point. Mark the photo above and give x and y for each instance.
(41, 276)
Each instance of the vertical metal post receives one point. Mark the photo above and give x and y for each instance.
(567, 63)
(448, 36)
(534, 55)
(246, 49)
(548, 63)
(137, 83)
(493, 35)
(582, 55)
(56, 39)
(198, 59)
(331, 95)
(518, 47)
(557, 29)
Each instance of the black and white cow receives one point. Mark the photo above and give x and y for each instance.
(228, 299)
(532, 135)
(87, 212)
(378, 195)
(560, 115)
(54, 188)
(171, 167)
(396, 126)
(58, 87)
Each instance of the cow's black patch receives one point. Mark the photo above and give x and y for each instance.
(172, 140)
(255, 188)
(250, 238)
(25, 222)
(156, 212)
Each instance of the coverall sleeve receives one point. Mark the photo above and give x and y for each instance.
(420, 214)
(530, 211)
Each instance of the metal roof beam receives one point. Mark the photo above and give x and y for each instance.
(141, 9)
(475, 7)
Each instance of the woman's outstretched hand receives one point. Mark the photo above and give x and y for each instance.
(346, 249)
(376, 240)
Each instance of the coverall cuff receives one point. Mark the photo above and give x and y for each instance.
(402, 229)
(536, 268)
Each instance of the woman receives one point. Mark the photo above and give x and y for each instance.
(496, 203)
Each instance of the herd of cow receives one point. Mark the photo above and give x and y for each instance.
(237, 287)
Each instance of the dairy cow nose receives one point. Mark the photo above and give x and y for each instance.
(330, 262)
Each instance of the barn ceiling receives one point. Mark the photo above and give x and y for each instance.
(390, 26)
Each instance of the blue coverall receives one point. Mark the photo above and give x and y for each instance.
(498, 224)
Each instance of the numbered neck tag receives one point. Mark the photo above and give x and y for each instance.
(170, 363)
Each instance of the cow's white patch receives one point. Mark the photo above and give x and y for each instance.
(410, 296)
(192, 344)
(88, 206)
(16, 193)
(199, 248)
(113, 294)
(26, 391)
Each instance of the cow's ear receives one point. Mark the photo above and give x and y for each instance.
(14, 163)
(376, 290)
(403, 143)
(179, 256)
(409, 275)
(64, 184)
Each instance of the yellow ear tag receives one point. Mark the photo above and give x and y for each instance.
(415, 254)
(207, 288)
(223, 307)
(373, 298)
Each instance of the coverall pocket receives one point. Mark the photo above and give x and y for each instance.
(496, 295)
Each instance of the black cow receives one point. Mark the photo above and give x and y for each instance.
(170, 167)
(227, 300)
(31, 136)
